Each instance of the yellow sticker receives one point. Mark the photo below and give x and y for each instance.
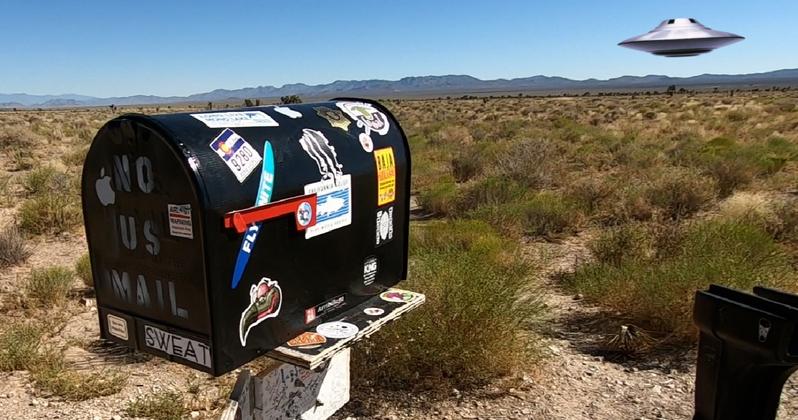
(386, 175)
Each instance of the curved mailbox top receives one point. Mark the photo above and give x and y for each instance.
(217, 236)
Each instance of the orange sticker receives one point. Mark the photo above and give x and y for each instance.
(386, 175)
(307, 339)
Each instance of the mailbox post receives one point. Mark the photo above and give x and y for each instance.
(216, 237)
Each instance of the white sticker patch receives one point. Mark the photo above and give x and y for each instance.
(117, 326)
(236, 119)
(373, 311)
(333, 206)
(236, 153)
(337, 329)
(174, 345)
(180, 224)
(384, 226)
(367, 117)
(288, 112)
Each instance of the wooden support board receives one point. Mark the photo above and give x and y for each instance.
(368, 317)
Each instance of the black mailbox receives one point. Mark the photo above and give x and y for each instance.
(217, 236)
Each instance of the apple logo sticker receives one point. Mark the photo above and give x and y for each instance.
(105, 193)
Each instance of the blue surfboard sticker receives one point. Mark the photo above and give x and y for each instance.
(264, 196)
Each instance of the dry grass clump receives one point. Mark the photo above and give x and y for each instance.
(13, 249)
(52, 375)
(158, 406)
(656, 288)
(470, 331)
(83, 270)
(50, 286)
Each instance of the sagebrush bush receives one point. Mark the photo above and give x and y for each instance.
(49, 286)
(548, 213)
(50, 212)
(13, 249)
(158, 406)
(83, 270)
(679, 193)
(470, 330)
(19, 346)
(657, 290)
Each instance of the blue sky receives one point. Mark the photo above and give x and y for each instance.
(116, 48)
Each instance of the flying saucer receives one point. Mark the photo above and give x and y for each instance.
(682, 37)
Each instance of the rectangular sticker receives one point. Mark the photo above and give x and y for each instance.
(236, 119)
(384, 226)
(180, 221)
(333, 207)
(328, 306)
(239, 156)
(386, 175)
(174, 345)
(117, 326)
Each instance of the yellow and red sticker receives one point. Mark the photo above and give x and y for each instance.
(386, 175)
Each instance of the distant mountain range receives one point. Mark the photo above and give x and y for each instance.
(417, 86)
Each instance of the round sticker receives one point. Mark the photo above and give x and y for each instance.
(337, 329)
(303, 213)
(373, 311)
(397, 296)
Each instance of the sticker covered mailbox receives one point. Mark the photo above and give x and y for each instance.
(217, 236)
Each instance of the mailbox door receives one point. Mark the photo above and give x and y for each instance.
(145, 236)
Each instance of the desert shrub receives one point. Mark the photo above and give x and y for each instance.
(83, 270)
(488, 191)
(549, 213)
(17, 137)
(158, 406)
(13, 249)
(529, 162)
(6, 195)
(657, 290)
(679, 193)
(470, 330)
(735, 164)
(76, 156)
(50, 212)
(47, 179)
(19, 346)
(619, 243)
(439, 198)
(589, 193)
(49, 286)
(51, 374)
(20, 159)
(466, 166)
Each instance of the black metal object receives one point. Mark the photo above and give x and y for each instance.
(748, 348)
(216, 236)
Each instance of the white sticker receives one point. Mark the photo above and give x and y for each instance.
(337, 329)
(175, 345)
(236, 119)
(239, 156)
(373, 311)
(333, 205)
(117, 326)
(288, 112)
(384, 226)
(368, 118)
(180, 221)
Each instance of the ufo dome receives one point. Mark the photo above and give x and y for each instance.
(681, 37)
